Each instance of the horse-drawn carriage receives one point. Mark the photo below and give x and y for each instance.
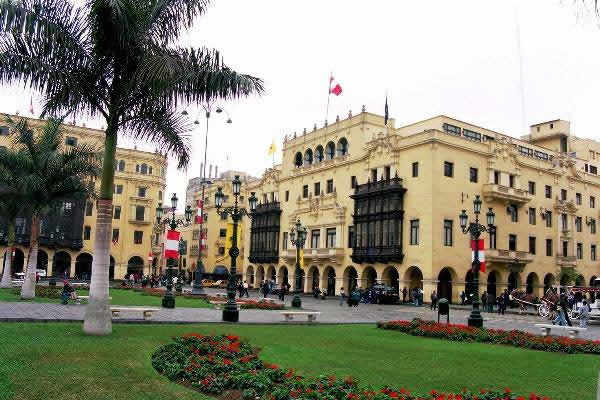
(546, 306)
(594, 306)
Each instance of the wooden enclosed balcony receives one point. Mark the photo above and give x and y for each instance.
(493, 191)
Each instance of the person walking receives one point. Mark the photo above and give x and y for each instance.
(560, 317)
(434, 301)
(342, 295)
(404, 293)
(484, 300)
(563, 304)
(245, 292)
(265, 289)
(462, 298)
(584, 314)
(500, 301)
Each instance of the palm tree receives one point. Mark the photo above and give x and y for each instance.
(49, 175)
(117, 59)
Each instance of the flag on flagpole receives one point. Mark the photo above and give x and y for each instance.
(301, 258)
(199, 209)
(272, 148)
(481, 253)
(172, 245)
(203, 240)
(386, 112)
(334, 87)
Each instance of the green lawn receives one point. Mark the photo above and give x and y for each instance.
(119, 297)
(56, 361)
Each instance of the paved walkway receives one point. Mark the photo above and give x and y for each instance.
(330, 310)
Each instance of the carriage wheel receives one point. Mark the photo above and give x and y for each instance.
(544, 311)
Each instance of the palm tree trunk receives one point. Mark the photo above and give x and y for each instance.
(97, 320)
(7, 274)
(28, 288)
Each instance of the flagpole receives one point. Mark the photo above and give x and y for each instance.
(329, 95)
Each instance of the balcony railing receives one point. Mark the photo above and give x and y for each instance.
(493, 191)
(138, 222)
(565, 261)
(264, 256)
(381, 254)
(508, 256)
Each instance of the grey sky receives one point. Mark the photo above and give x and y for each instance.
(457, 58)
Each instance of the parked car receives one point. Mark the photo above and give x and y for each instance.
(208, 283)
(386, 294)
(220, 284)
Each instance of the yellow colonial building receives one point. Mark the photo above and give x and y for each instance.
(381, 203)
(67, 239)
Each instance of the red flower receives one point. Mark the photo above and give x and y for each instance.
(433, 392)
(233, 338)
(227, 362)
(507, 390)
(393, 395)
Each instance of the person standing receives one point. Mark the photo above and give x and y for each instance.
(560, 317)
(484, 300)
(404, 292)
(506, 302)
(342, 295)
(584, 314)
(265, 289)
(462, 298)
(500, 301)
(563, 304)
(245, 289)
(434, 301)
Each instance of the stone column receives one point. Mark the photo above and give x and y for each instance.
(72, 269)
(429, 285)
(50, 268)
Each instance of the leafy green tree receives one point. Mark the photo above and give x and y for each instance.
(117, 59)
(49, 174)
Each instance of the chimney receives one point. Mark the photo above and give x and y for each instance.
(210, 170)
(216, 171)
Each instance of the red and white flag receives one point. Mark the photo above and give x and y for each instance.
(172, 245)
(203, 240)
(334, 87)
(481, 254)
(200, 206)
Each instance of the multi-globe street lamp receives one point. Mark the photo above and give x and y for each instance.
(476, 229)
(168, 300)
(298, 242)
(230, 311)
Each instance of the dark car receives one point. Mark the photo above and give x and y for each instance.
(386, 294)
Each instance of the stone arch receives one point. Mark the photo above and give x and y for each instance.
(350, 278)
(271, 273)
(260, 276)
(514, 281)
(342, 147)
(135, 265)
(414, 278)
(532, 284)
(328, 280)
(298, 160)
(18, 262)
(580, 281)
(83, 266)
(549, 281)
(319, 154)
(62, 264)
(492, 283)
(330, 151)
(283, 275)
(308, 157)
(42, 260)
(122, 165)
(313, 278)
(444, 286)
(391, 277)
(368, 277)
(111, 269)
(250, 275)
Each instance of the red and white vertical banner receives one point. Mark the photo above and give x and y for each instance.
(203, 240)
(172, 245)
(481, 254)
(199, 211)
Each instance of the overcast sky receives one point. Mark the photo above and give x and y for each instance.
(459, 58)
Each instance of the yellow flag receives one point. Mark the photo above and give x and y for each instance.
(229, 236)
(272, 148)
(301, 258)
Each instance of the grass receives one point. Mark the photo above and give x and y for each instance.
(56, 361)
(120, 297)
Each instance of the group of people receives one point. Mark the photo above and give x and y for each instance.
(415, 296)
(571, 301)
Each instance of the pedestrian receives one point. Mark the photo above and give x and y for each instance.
(245, 289)
(506, 298)
(240, 289)
(66, 292)
(560, 317)
(404, 292)
(563, 304)
(462, 298)
(265, 289)
(584, 314)
(500, 301)
(342, 295)
(434, 301)
(484, 300)
(355, 298)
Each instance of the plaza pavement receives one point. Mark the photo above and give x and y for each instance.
(331, 313)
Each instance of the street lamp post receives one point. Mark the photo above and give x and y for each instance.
(299, 243)
(230, 311)
(476, 229)
(168, 300)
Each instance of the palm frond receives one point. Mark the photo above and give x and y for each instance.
(167, 18)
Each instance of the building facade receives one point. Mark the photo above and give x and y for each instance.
(67, 237)
(381, 205)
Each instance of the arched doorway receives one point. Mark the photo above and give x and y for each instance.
(391, 278)
(350, 278)
(42, 260)
(491, 283)
(18, 261)
(62, 264)
(548, 282)
(328, 281)
(83, 266)
(368, 278)
(313, 278)
(111, 269)
(513, 281)
(580, 281)
(271, 274)
(260, 275)
(299, 280)
(532, 283)
(283, 275)
(250, 276)
(135, 266)
(414, 277)
(444, 286)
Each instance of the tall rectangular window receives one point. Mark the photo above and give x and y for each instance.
(89, 208)
(387, 172)
(578, 223)
(548, 191)
(565, 248)
(511, 181)
(531, 214)
(287, 195)
(87, 232)
(563, 194)
(496, 177)
(141, 192)
(374, 175)
(578, 199)
(415, 169)
(592, 202)
(514, 213)
(139, 213)
(138, 237)
(414, 232)
(493, 236)
(315, 238)
(350, 236)
(473, 175)
(117, 212)
(447, 232)
(532, 188)
(448, 169)
(549, 247)
(284, 243)
(548, 219)
(593, 226)
(593, 252)
(330, 186)
(115, 235)
(117, 189)
(532, 244)
(512, 242)
(331, 238)
(317, 188)
(563, 222)
(353, 182)
(305, 191)
(580, 251)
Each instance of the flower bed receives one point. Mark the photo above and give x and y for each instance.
(225, 365)
(47, 292)
(252, 304)
(515, 338)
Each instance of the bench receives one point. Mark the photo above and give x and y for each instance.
(146, 311)
(573, 330)
(220, 295)
(79, 298)
(267, 300)
(289, 315)
(219, 304)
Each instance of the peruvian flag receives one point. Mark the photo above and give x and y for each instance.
(334, 87)
(172, 245)
(200, 206)
(203, 240)
(481, 254)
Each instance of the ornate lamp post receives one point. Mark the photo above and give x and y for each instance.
(476, 229)
(168, 300)
(230, 311)
(299, 243)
